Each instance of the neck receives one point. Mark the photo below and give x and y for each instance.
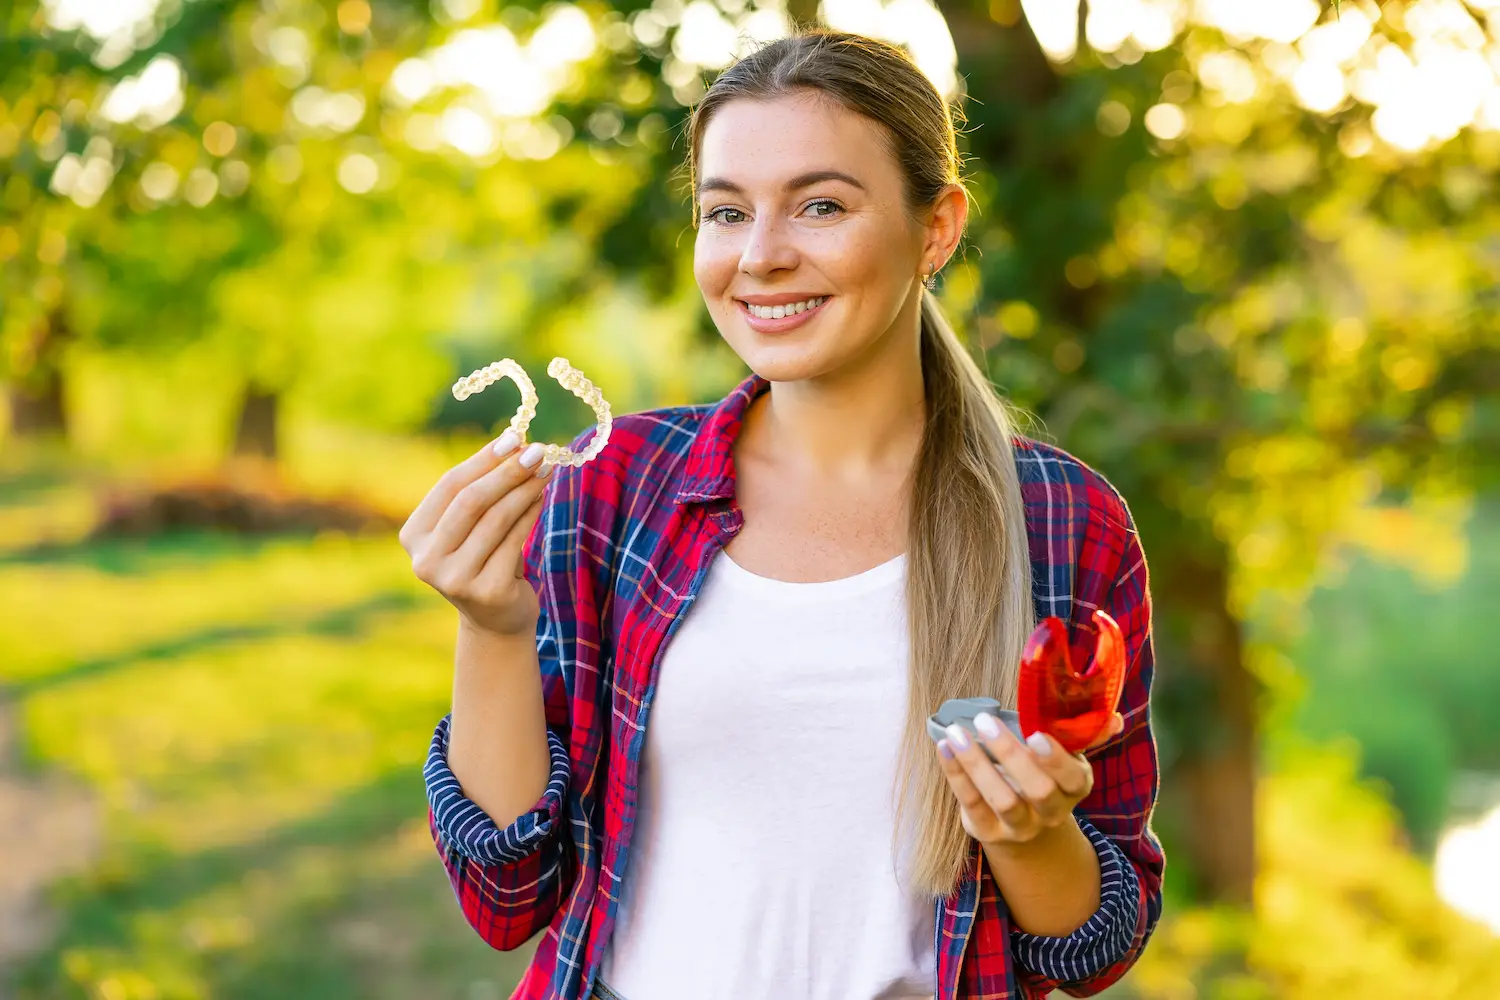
(864, 418)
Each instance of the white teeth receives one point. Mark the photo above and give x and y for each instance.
(780, 312)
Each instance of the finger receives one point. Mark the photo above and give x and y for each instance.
(473, 501)
(1033, 782)
(509, 558)
(1115, 728)
(490, 532)
(992, 785)
(1070, 772)
(958, 779)
(425, 518)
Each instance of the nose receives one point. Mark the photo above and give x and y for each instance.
(768, 247)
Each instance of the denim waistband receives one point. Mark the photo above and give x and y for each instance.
(602, 992)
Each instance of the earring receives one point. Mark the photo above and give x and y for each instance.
(569, 378)
(930, 282)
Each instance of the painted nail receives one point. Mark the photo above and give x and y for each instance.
(1038, 741)
(958, 739)
(987, 725)
(945, 750)
(532, 455)
(506, 443)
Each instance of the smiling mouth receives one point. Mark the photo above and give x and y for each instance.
(783, 311)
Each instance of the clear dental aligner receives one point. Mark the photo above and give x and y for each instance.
(569, 378)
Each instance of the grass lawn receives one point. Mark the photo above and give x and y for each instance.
(249, 719)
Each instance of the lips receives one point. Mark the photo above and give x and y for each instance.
(1074, 707)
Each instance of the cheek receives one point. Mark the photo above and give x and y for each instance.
(880, 253)
(856, 256)
(714, 265)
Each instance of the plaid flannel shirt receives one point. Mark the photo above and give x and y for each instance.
(617, 557)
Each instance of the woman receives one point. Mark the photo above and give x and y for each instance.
(786, 583)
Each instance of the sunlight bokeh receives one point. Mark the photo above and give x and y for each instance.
(1424, 93)
(1238, 255)
(1446, 79)
(1467, 869)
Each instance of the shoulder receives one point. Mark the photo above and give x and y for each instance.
(1062, 492)
(1080, 532)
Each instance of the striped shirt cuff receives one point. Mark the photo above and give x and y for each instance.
(469, 830)
(1106, 938)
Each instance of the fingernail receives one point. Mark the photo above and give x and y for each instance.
(988, 727)
(545, 471)
(532, 455)
(958, 739)
(945, 750)
(506, 443)
(1038, 742)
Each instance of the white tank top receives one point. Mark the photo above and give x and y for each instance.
(760, 866)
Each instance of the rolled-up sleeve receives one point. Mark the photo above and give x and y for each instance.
(509, 881)
(1105, 937)
(469, 830)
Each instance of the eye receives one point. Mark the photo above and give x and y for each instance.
(714, 215)
(833, 205)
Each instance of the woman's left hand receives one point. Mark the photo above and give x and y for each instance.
(1047, 785)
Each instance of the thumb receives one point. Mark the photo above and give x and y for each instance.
(1116, 727)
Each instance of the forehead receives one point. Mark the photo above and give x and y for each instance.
(758, 143)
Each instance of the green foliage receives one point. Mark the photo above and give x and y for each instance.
(1217, 320)
(1404, 667)
(238, 221)
(1341, 908)
(1274, 334)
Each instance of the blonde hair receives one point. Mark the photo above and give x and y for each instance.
(968, 589)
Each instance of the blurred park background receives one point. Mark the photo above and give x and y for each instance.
(1240, 256)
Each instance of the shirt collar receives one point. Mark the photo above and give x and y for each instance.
(709, 474)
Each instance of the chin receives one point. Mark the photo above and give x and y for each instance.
(785, 361)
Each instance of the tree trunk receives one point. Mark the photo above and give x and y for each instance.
(255, 436)
(1204, 699)
(803, 13)
(1209, 707)
(36, 400)
(1002, 63)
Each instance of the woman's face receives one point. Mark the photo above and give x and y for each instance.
(801, 206)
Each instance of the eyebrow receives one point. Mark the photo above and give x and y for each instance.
(795, 184)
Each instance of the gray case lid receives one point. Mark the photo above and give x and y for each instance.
(963, 710)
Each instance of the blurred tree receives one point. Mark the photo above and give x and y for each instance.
(1256, 314)
(288, 183)
(44, 91)
(162, 164)
(1260, 303)
(1253, 332)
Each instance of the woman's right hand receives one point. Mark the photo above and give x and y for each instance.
(467, 537)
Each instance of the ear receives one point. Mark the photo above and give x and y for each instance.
(945, 224)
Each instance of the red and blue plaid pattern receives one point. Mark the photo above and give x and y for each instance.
(617, 557)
